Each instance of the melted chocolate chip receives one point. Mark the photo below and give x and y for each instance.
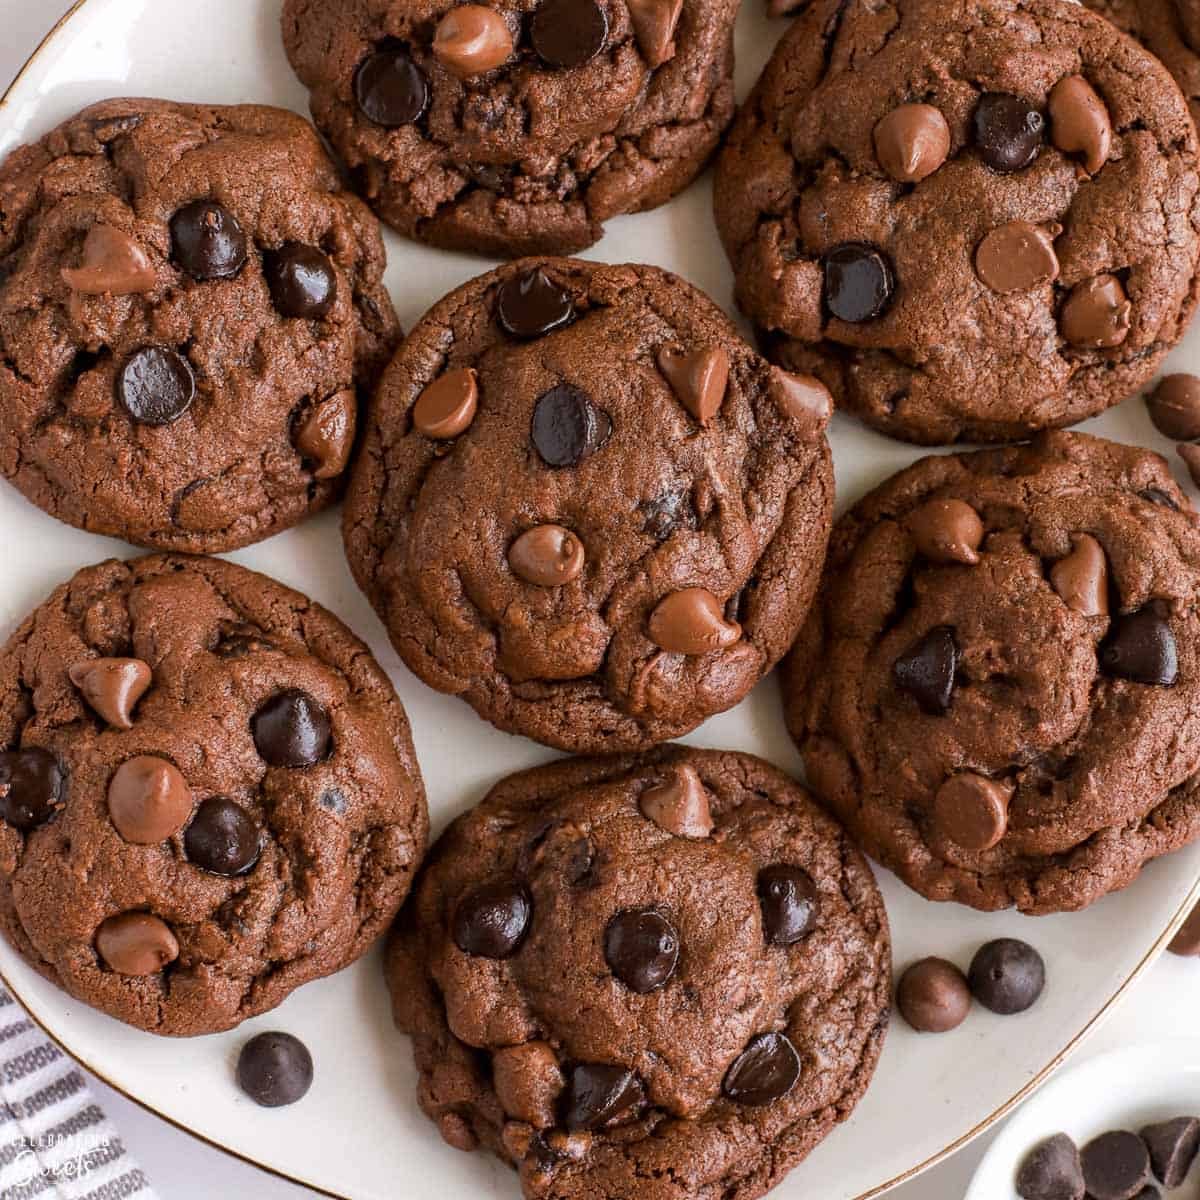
(859, 282)
(292, 729)
(32, 787)
(491, 921)
(599, 1094)
(642, 948)
(568, 33)
(302, 281)
(275, 1069)
(789, 901)
(567, 427)
(156, 385)
(766, 1070)
(926, 670)
(531, 305)
(391, 90)
(222, 838)
(1140, 647)
(207, 241)
(1008, 131)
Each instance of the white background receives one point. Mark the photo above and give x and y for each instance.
(184, 1169)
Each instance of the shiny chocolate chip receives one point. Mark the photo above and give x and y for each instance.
(156, 385)
(765, 1071)
(1008, 131)
(207, 241)
(1140, 647)
(642, 948)
(789, 901)
(222, 838)
(600, 1094)
(32, 787)
(391, 90)
(491, 921)
(531, 304)
(302, 281)
(275, 1069)
(568, 33)
(926, 670)
(292, 729)
(859, 282)
(567, 427)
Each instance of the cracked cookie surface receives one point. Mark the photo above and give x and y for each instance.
(208, 793)
(882, 148)
(527, 148)
(686, 1003)
(189, 306)
(586, 506)
(999, 688)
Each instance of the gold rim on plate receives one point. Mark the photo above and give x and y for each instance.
(1160, 944)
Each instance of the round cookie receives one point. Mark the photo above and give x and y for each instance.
(519, 127)
(208, 793)
(586, 506)
(676, 969)
(998, 690)
(189, 307)
(973, 219)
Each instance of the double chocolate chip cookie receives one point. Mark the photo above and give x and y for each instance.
(208, 794)
(586, 506)
(999, 688)
(189, 305)
(662, 976)
(520, 126)
(973, 219)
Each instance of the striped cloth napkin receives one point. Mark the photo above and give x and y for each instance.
(55, 1142)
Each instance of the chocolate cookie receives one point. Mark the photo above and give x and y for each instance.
(586, 506)
(999, 688)
(671, 968)
(520, 127)
(973, 219)
(208, 794)
(189, 305)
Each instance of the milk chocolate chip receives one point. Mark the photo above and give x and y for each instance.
(1018, 257)
(1081, 579)
(971, 811)
(912, 141)
(1175, 407)
(933, 996)
(692, 622)
(136, 943)
(1097, 314)
(803, 399)
(698, 379)
(326, 437)
(471, 40)
(654, 25)
(947, 531)
(680, 804)
(112, 687)
(448, 405)
(148, 800)
(1079, 122)
(547, 556)
(113, 264)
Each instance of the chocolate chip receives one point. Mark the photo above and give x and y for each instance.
(547, 556)
(292, 729)
(803, 399)
(1018, 257)
(207, 241)
(275, 1069)
(113, 264)
(567, 427)
(654, 25)
(679, 805)
(692, 622)
(448, 405)
(766, 1070)
(1175, 407)
(32, 787)
(1173, 1146)
(491, 921)
(568, 33)
(947, 531)
(1081, 578)
(1159, 497)
(698, 379)
(1097, 314)
(302, 281)
(136, 943)
(933, 996)
(912, 141)
(531, 305)
(148, 800)
(926, 670)
(1116, 1166)
(642, 948)
(1191, 457)
(1008, 131)
(326, 436)
(1186, 941)
(471, 40)
(112, 687)
(1079, 122)
(1140, 647)
(662, 515)
(789, 901)
(1007, 976)
(390, 88)
(971, 811)
(156, 385)
(859, 282)
(600, 1094)
(222, 838)
(1052, 1171)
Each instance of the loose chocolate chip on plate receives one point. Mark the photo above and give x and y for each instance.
(207, 241)
(292, 729)
(933, 996)
(567, 427)
(448, 405)
(302, 280)
(547, 556)
(926, 670)
(113, 264)
(112, 687)
(1052, 1171)
(766, 1070)
(391, 90)
(971, 811)
(1173, 1146)
(568, 33)
(275, 1069)
(600, 1094)
(32, 783)
(803, 399)
(222, 838)
(136, 943)
(1008, 131)
(1081, 578)
(1140, 647)
(471, 40)
(156, 385)
(1079, 122)
(1175, 407)
(912, 141)
(1116, 1166)
(148, 800)
(692, 622)
(642, 949)
(1007, 976)
(531, 304)
(947, 531)
(679, 805)
(654, 25)
(789, 901)
(1098, 314)
(491, 921)
(859, 282)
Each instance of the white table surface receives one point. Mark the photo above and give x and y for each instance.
(182, 1168)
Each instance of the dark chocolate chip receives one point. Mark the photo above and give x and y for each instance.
(222, 838)
(292, 729)
(302, 281)
(859, 282)
(275, 1069)
(1173, 1146)
(156, 385)
(1116, 1166)
(207, 241)
(32, 783)
(600, 1094)
(642, 948)
(1008, 131)
(926, 670)
(1141, 647)
(766, 1070)
(531, 305)
(491, 921)
(662, 515)
(568, 33)
(390, 88)
(789, 902)
(1007, 976)
(567, 427)
(1052, 1171)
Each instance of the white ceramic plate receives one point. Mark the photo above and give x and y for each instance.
(1125, 1089)
(358, 1133)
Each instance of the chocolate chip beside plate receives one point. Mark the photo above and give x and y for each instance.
(491, 921)
(1116, 1166)
(1052, 1171)
(292, 729)
(207, 241)
(933, 996)
(275, 1069)
(642, 948)
(302, 281)
(222, 838)
(789, 902)
(1173, 1146)
(156, 385)
(32, 786)
(766, 1070)
(1007, 976)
